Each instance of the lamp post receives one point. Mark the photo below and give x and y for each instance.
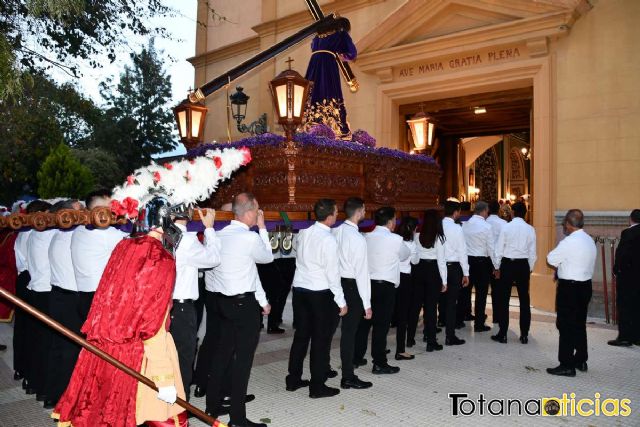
(422, 131)
(190, 118)
(239, 101)
(289, 91)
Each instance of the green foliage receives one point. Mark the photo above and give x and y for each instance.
(139, 121)
(62, 175)
(103, 166)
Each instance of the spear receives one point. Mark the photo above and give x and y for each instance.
(102, 355)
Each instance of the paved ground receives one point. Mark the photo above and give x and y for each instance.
(417, 396)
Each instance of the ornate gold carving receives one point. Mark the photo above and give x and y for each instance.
(66, 218)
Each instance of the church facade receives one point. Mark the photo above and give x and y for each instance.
(559, 78)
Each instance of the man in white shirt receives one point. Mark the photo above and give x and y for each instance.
(455, 254)
(575, 259)
(63, 307)
(480, 248)
(318, 299)
(91, 249)
(40, 293)
(496, 226)
(356, 285)
(25, 324)
(190, 256)
(385, 251)
(238, 300)
(516, 255)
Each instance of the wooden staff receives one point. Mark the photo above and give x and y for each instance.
(104, 356)
(604, 281)
(614, 284)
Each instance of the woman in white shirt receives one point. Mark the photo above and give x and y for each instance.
(406, 229)
(430, 273)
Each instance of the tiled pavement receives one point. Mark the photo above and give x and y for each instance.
(417, 396)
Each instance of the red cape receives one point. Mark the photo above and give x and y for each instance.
(129, 307)
(8, 271)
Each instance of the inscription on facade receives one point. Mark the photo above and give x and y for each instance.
(484, 57)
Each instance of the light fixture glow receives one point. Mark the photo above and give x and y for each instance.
(479, 110)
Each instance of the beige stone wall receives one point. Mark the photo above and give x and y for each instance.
(598, 109)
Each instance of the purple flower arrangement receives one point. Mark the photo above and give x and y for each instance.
(321, 129)
(361, 136)
(365, 145)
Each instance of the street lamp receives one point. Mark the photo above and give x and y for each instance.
(289, 91)
(422, 130)
(190, 118)
(239, 101)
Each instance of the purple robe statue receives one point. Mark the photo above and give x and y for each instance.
(326, 104)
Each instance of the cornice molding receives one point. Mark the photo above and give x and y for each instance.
(551, 25)
(243, 46)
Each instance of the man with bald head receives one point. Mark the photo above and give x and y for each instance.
(237, 300)
(575, 258)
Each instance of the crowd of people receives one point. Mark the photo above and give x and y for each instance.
(363, 282)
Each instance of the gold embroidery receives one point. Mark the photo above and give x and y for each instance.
(160, 378)
(327, 112)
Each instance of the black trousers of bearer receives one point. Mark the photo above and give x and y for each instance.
(572, 302)
(514, 271)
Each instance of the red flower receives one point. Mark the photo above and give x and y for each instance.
(117, 208)
(168, 166)
(131, 207)
(130, 180)
(218, 162)
(156, 177)
(246, 155)
(192, 161)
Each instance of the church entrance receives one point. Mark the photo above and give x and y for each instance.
(482, 143)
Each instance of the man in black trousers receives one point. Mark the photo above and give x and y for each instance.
(516, 256)
(238, 299)
(575, 259)
(627, 271)
(354, 273)
(318, 299)
(385, 251)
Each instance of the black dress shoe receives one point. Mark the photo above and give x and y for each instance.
(460, 325)
(454, 341)
(49, 404)
(384, 369)
(3, 347)
(620, 343)
(293, 385)
(562, 371)
(25, 384)
(323, 391)
(403, 357)
(582, 367)
(226, 401)
(438, 330)
(424, 338)
(199, 391)
(249, 423)
(17, 376)
(275, 331)
(524, 339)
(358, 363)
(30, 390)
(470, 317)
(355, 382)
(434, 346)
(636, 342)
(481, 328)
(332, 373)
(411, 342)
(502, 339)
(41, 397)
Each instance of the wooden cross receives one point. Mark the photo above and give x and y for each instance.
(289, 61)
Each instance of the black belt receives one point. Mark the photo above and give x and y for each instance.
(307, 290)
(58, 289)
(183, 301)
(515, 259)
(453, 263)
(382, 282)
(347, 281)
(428, 260)
(575, 282)
(239, 296)
(478, 257)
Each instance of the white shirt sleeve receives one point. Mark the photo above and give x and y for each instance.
(363, 281)
(491, 249)
(532, 250)
(442, 262)
(462, 255)
(557, 256)
(415, 255)
(332, 271)
(499, 250)
(261, 252)
(207, 255)
(404, 253)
